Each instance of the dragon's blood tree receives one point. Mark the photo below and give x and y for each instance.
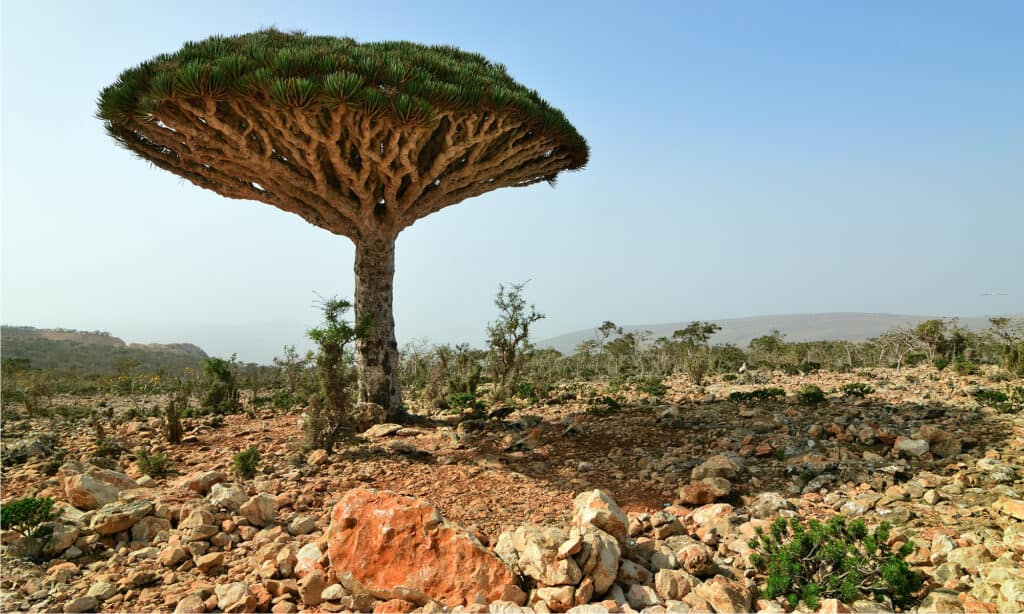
(359, 139)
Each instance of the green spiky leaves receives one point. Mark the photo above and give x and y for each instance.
(411, 83)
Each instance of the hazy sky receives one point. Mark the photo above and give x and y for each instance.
(747, 158)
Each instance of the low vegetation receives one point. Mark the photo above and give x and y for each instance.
(814, 561)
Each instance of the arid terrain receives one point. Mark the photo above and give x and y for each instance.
(692, 469)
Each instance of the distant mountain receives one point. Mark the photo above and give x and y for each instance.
(94, 352)
(797, 327)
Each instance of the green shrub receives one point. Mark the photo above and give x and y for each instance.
(965, 367)
(832, 560)
(991, 397)
(697, 365)
(526, 390)
(458, 401)
(28, 516)
(730, 377)
(810, 395)
(220, 388)
(603, 406)
(857, 389)
(759, 395)
(330, 414)
(940, 363)
(286, 400)
(653, 386)
(790, 369)
(153, 465)
(808, 367)
(245, 462)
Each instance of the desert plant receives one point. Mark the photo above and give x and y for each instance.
(964, 367)
(697, 364)
(652, 386)
(28, 516)
(857, 389)
(330, 411)
(154, 465)
(759, 395)
(810, 395)
(509, 337)
(359, 139)
(814, 561)
(220, 388)
(464, 400)
(176, 407)
(245, 461)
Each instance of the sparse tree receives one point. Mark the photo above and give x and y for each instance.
(509, 337)
(359, 139)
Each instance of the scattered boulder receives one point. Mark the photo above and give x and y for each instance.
(95, 487)
(260, 510)
(940, 443)
(116, 517)
(597, 509)
(381, 541)
(718, 466)
(598, 558)
(912, 448)
(229, 496)
(702, 492)
(534, 552)
(768, 505)
(201, 481)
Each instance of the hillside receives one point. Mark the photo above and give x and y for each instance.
(92, 352)
(795, 327)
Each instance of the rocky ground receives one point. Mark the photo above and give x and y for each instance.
(685, 478)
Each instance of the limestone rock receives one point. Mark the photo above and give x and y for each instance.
(768, 505)
(908, 447)
(941, 443)
(533, 551)
(201, 481)
(95, 487)
(116, 517)
(260, 510)
(597, 509)
(702, 492)
(725, 595)
(380, 540)
(87, 603)
(940, 601)
(674, 583)
(718, 466)
(229, 496)
(598, 558)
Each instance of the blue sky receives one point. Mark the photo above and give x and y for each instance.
(748, 158)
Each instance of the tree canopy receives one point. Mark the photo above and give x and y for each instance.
(354, 137)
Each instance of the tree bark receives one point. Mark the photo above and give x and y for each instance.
(376, 349)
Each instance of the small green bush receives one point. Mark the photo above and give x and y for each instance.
(832, 560)
(759, 395)
(245, 462)
(220, 388)
(28, 516)
(458, 401)
(810, 395)
(153, 465)
(653, 386)
(730, 377)
(991, 397)
(940, 363)
(965, 367)
(857, 389)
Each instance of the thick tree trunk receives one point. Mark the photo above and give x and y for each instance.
(377, 350)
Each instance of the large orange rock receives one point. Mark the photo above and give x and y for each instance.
(397, 547)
